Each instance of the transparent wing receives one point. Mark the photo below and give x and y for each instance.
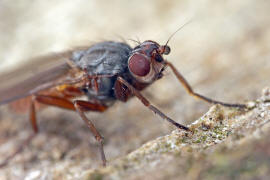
(22, 81)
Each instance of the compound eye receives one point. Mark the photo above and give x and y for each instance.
(139, 65)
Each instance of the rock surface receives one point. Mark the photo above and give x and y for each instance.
(225, 143)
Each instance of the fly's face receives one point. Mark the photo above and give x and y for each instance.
(146, 62)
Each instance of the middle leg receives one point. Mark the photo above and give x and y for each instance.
(136, 93)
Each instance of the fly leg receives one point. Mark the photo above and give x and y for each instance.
(191, 92)
(27, 141)
(81, 107)
(149, 105)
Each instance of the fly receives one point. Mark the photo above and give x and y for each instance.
(105, 72)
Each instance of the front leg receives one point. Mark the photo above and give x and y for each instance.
(136, 93)
(197, 95)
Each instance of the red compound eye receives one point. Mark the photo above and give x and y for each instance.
(139, 65)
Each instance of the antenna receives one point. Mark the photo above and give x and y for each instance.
(177, 31)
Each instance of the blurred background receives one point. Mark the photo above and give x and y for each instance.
(224, 53)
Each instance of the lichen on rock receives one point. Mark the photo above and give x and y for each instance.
(226, 142)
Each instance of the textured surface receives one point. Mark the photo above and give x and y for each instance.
(225, 144)
(223, 53)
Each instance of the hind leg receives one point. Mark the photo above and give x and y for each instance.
(79, 106)
(27, 141)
